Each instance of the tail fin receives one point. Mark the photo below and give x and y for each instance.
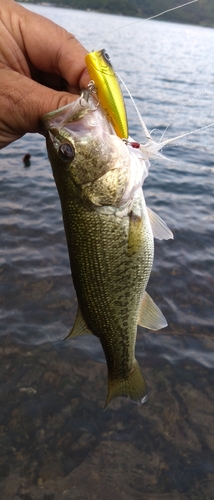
(133, 386)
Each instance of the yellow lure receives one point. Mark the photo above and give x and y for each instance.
(108, 91)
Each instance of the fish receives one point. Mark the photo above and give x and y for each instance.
(110, 235)
(108, 90)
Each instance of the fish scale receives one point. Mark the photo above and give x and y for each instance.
(101, 271)
(109, 237)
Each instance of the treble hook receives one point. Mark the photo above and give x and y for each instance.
(86, 94)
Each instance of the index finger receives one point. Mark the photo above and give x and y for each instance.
(51, 48)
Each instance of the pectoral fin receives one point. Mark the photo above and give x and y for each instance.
(150, 315)
(159, 227)
(79, 328)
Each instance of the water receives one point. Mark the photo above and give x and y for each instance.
(52, 393)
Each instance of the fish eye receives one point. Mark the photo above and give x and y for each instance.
(106, 56)
(66, 151)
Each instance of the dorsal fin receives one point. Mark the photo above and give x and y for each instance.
(159, 227)
(150, 315)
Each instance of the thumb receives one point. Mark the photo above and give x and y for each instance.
(23, 103)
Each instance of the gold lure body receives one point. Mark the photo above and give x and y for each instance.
(108, 90)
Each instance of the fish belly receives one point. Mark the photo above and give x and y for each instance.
(111, 259)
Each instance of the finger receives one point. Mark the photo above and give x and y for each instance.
(52, 49)
(23, 103)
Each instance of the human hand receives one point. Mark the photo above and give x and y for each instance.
(42, 68)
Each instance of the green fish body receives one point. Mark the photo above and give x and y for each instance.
(109, 234)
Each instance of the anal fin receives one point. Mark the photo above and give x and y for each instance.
(150, 315)
(80, 327)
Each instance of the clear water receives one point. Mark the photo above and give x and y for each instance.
(169, 71)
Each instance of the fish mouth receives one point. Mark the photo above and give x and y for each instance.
(78, 116)
(91, 139)
(84, 124)
(69, 113)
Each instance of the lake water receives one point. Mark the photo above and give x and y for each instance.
(55, 440)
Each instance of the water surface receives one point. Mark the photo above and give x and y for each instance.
(56, 441)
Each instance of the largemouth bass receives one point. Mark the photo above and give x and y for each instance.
(109, 234)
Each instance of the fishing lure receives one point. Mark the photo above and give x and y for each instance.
(108, 90)
(107, 84)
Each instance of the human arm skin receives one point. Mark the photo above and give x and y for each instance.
(42, 67)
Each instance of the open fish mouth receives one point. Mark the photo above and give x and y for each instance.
(78, 116)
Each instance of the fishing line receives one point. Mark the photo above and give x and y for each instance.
(161, 143)
(191, 99)
(190, 133)
(147, 133)
(148, 18)
(144, 127)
